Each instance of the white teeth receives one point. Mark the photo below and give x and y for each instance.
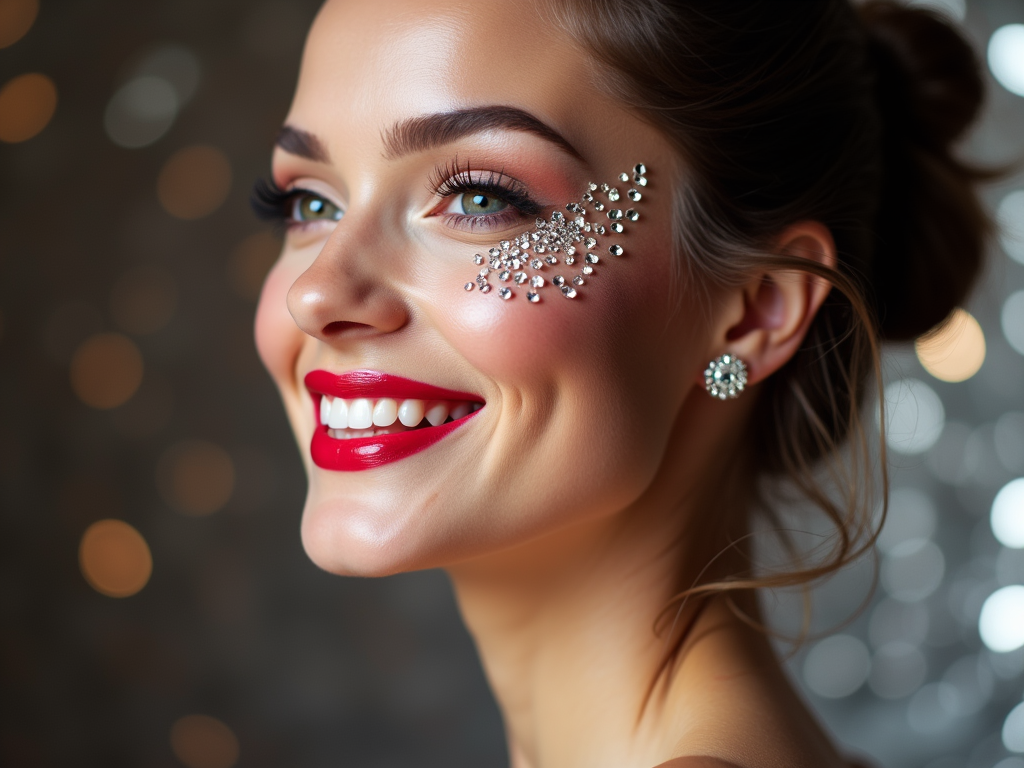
(437, 413)
(385, 412)
(410, 412)
(363, 417)
(339, 414)
(360, 414)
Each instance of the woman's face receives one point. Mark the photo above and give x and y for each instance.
(564, 410)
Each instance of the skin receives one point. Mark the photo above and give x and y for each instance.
(574, 505)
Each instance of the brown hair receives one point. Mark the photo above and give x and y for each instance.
(810, 110)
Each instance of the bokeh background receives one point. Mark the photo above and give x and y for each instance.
(156, 608)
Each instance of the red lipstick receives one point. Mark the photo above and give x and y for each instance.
(361, 453)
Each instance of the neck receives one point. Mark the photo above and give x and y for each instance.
(565, 626)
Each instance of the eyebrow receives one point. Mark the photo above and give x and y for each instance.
(427, 131)
(296, 141)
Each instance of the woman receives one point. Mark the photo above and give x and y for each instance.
(780, 197)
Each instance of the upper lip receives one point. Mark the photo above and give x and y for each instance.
(375, 384)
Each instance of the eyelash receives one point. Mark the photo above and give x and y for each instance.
(271, 203)
(452, 179)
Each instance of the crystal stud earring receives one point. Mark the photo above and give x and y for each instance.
(725, 377)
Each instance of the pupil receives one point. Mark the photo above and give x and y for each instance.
(480, 200)
(316, 206)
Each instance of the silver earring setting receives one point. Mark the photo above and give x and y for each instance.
(524, 260)
(725, 377)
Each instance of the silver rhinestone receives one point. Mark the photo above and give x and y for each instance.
(485, 288)
(536, 263)
(577, 280)
(558, 280)
(634, 195)
(505, 293)
(640, 181)
(541, 223)
(613, 194)
(592, 258)
(504, 245)
(494, 253)
(623, 177)
(524, 241)
(617, 227)
(469, 286)
(519, 278)
(580, 221)
(516, 264)
(615, 250)
(569, 292)
(570, 250)
(504, 275)
(537, 281)
(551, 259)
(587, 197)
(599, 229)
(598, 206)
(574, 207)
(632, 215)
(591, 243)
(535, 236)
(539, 248)
(639, 169)
(615, 214)
(556, 216)
(587, 269)
(586, 227)
(532, 297)
(605, 187)
(592, 187)
(570, 260)
(478, 259)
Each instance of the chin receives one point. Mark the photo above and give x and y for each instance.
(349, 538)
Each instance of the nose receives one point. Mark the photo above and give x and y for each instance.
(346, 292)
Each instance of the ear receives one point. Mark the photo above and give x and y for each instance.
(764, 320)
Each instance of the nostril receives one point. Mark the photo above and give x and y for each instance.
(346, 328)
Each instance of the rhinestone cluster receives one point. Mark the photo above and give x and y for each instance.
(568, 239)
(725, 377)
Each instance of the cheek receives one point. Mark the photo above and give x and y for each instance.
(278, 338)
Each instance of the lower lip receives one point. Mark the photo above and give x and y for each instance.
(358, 453)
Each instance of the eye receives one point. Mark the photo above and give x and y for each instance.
(310, 207)
(476, 203)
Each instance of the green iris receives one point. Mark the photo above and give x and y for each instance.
(315, 208)
(475, 203)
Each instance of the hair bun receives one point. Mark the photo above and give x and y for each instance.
(931, 226)
(926, 70)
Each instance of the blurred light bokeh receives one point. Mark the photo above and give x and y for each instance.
(156, 607)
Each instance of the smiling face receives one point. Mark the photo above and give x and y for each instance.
(457, 423)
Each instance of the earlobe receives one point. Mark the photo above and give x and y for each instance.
(765, 320)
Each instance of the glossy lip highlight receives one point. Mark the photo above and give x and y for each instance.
(363, 453)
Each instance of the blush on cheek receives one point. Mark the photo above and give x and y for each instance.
(513, 340)
(278, 338)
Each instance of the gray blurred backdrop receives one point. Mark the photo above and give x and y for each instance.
(156, 608)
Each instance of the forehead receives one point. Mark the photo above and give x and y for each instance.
(370, 64)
